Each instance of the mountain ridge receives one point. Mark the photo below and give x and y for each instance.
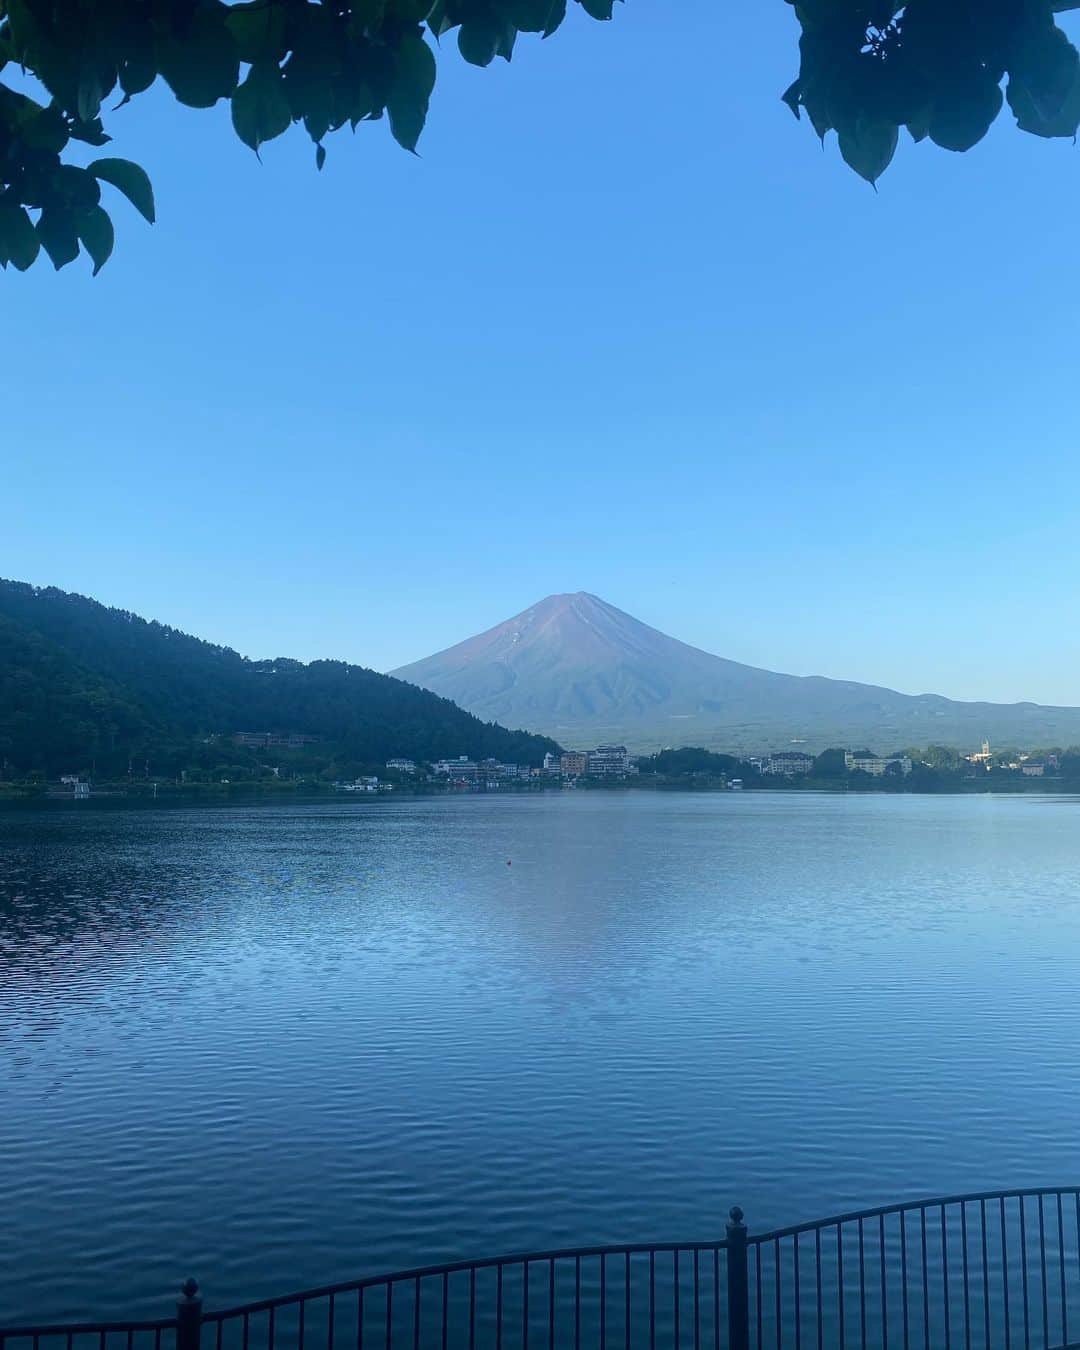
(84, 684)
(574, 665)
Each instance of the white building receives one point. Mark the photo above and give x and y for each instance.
(460, 770)
(609, 761)
(789, 763)
(876, 765)
(401, 765)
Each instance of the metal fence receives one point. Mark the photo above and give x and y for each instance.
(992, 1271)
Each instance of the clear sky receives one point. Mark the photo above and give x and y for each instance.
(622, 327)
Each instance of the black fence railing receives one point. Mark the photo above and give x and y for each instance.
(992, 1271)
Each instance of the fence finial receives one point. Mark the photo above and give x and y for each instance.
(189, 1288)
(735, 1214)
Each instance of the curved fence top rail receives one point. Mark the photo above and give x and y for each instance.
(907, 1206)
(443, 1271)
(458, 1267)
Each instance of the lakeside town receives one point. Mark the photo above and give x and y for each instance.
(938, 768)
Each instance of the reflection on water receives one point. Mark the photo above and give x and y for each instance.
(281, 1046)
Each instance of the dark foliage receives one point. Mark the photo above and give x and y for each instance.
(868, 69)
(278, 62)
(691, 760)
(872, 67)
(82, 685)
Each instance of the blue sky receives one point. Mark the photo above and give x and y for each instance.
(622, 327)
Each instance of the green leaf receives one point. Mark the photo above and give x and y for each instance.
(438, 20)
(95, 231)
(90, 94)
(478, 40)
(260, 110)
(410, 92)
(137, 74)
(258, 29)
(409, 11)
(963, 112)
(203, 65)
(868, 146)
(599, 9)
(46, 130)
(79, 189)
(130, 179)
(1042, 116)
(59, 236)
(18, 237)
(555, 18)
(535, 16)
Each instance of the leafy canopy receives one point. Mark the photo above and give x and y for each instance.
(868, 68)
(277, 62)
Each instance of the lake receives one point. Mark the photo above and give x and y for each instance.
(279, 1046)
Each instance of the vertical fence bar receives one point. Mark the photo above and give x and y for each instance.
(525, 1308)
(577, 1303)
(925, 1279)
(840, 1277)
(964, 1260)
(945, 1277)
(716, 1297)
(1042, 1273)
(1005, 1272)
(445, 1309)
(905, 1317)
(626, 1308)
(603, 1303)
(498, 1306)
(884, 1287)
(1024, 1274)
(472, 1308)
(862, 1287)
(738, 1285)
(678, 1300)
(551, 1306)
(986, 1273)
(1061, 1272)
(652, 1300)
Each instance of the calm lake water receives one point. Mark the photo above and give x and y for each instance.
(286, 1045)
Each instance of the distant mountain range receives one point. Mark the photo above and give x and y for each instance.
(580, 670)
(83, 686)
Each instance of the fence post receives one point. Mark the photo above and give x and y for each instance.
(188, 1317)
(738, 1284)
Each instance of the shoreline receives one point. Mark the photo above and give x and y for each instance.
(114, 796)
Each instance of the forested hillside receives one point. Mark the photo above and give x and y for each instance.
(84, 687)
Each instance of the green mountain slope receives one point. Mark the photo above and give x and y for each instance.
(82, 685)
